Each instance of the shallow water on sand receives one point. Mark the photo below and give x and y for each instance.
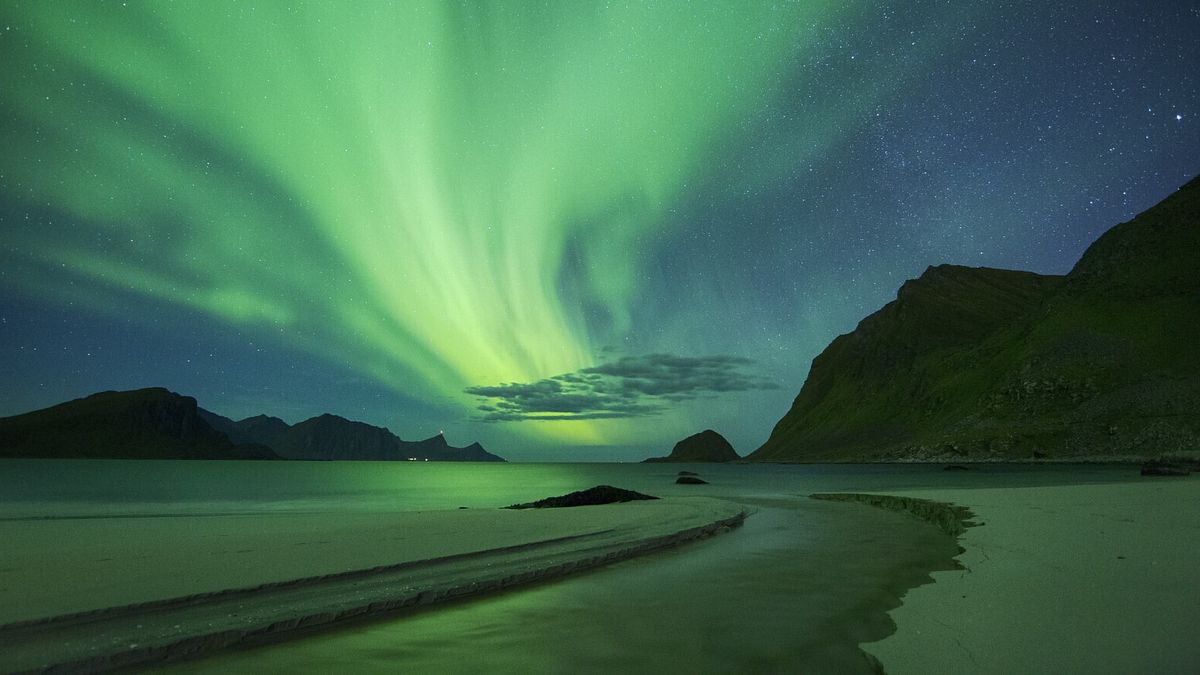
(794, 590)
(91, 488)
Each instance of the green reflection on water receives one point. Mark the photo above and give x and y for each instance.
(794, 590)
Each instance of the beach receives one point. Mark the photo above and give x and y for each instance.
(1060, 579)
(1070, 569)
(100, 592)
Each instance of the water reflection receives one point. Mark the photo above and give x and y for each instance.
(794, 590)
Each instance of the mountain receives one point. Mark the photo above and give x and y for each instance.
(706, 446)
(329, 437)
(261, 429)
(980, 364)
(140, 424)
(159, 424)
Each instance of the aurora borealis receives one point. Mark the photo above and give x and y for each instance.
(401, 212)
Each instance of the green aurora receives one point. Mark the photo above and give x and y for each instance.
(442, 197)
(395, 185)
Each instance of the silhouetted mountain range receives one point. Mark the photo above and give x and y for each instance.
(976, 363)
(159, 424)
(330, 437)
(141, 424)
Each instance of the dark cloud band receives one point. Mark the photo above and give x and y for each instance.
(633, 386)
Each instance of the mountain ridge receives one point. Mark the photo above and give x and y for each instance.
(155, 423)
(984, 364)
(332, 437)
(151, 423)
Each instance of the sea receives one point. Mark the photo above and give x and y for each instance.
(796, 589)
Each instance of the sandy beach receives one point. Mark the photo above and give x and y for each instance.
(1066, 579)
(1092, 576)
(145, 587)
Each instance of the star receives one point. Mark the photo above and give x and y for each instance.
(795, 189)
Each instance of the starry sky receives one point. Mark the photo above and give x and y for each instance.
(569, 230)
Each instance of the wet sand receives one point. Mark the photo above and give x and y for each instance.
(1068, 579)
(1075, 578)
(145, 588)
(794, 590)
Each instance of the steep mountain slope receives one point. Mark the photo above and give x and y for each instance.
(992, 364)
(143, 424)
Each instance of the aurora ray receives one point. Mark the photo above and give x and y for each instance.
(431, 198)
(394, 185)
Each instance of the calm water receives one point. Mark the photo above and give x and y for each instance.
(52, 488)
(794, 590)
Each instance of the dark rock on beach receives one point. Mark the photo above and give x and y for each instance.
(601, 494)
(691, 480)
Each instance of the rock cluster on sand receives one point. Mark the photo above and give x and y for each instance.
(1158, 467)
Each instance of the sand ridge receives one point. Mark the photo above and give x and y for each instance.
(216, 594)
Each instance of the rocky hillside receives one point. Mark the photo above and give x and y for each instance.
(972, 363)
(140, 424)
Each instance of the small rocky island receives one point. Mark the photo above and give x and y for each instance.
(706, 446)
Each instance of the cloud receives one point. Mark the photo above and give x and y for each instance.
(632, 386)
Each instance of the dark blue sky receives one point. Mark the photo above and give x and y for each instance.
(799, 185)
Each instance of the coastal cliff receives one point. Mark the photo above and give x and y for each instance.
(985, 364)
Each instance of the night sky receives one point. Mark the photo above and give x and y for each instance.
(568, 230)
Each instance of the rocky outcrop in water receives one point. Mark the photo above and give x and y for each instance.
(706, 446)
